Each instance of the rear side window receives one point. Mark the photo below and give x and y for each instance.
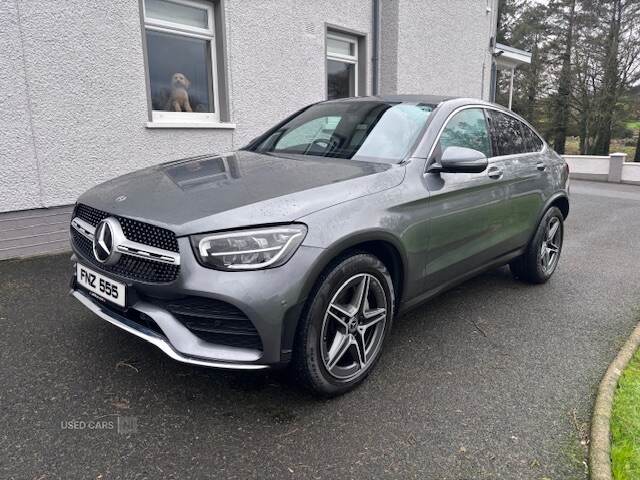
(534, 144)
(507, 134)
(467, 128)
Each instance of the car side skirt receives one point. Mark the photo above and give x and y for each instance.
(496, 262)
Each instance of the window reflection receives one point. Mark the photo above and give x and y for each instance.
(468, 129)
(200, 174)
(508, 134)
(362, 130)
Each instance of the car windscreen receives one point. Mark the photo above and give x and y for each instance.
(360, 130)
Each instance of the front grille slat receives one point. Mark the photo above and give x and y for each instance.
(133, 268)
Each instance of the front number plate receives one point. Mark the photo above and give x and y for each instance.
(100, 285)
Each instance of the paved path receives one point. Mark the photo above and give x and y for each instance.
(491, 380)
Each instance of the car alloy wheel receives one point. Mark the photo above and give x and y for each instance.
(550, 245)
(353, 327)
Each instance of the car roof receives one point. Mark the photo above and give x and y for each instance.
(434, 100)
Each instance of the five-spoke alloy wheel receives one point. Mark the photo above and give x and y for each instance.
(341, 333)
(551, 243)
(353, 326)
(540, 259)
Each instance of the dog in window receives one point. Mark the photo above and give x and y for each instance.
(179, 99)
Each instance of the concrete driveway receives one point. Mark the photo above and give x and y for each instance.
(494, 379)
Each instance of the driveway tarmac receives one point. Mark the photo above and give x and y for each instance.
(494, 379)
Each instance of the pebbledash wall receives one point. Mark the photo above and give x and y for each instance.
(75, 107)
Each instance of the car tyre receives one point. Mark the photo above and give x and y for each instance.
(344, 325)
(541, 257)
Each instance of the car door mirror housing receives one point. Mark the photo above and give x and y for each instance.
(460, 160)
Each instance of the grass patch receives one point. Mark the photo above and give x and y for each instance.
(634, 125)
(625, 424)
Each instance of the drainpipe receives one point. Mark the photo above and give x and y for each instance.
(375, 46)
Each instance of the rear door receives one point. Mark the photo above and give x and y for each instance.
(465, 209)
(519, 147)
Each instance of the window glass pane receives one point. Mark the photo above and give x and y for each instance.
(395, 132)
(177, 13)
(340, 47)
(508, 136)
(537, 143)
(341, 79)
(518, 140)
(362, 130)
(534, 144)
(468, 129)
(319, 129)
(179, 73)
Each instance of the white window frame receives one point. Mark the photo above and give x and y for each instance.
(352, 59)
(160, 118)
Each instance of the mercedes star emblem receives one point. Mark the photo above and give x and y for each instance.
(106, 240)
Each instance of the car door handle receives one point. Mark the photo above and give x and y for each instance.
(541, 166)
(495, 172)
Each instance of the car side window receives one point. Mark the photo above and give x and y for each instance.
(534, 143)
(508, 137)
(467, 128)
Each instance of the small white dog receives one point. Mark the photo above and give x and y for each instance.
(179, 100)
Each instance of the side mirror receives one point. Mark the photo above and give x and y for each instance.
(460, 160)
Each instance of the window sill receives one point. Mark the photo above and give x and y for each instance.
(214, 125)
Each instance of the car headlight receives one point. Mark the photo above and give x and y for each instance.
(249, 249)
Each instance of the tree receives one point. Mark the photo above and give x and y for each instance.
(609, 93)
(586, 71)
(562, 102)
(584, 75)
(530, 34)
(506, 19)
(525, 26)
(619, 66)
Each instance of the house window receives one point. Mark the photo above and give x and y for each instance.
(342, 66)
(181, 58)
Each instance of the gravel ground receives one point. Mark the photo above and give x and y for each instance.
(494, 379)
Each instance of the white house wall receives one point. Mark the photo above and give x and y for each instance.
(19, 174)
(74, 103)
(442, 47)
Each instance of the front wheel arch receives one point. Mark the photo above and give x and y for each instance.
(383, 245)
(307, 353)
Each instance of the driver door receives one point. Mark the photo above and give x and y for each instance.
(465, 209)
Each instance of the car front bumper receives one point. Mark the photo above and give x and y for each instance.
(272, 299)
